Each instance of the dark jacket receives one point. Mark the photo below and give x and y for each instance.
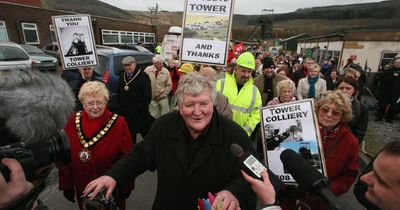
(299, 74)
(390, 84)
(259, 82)
(179, 183)
(133, 103)
(359, 124)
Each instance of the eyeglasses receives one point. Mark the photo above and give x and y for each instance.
(335, 113)
(97, 103)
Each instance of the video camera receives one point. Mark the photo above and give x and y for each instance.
(36, 155)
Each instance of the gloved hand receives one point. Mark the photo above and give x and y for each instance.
(70, 195)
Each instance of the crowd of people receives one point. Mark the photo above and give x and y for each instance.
(190, 114)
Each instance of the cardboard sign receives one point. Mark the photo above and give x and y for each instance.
(206, 31)
(75, 40)
(292, 126)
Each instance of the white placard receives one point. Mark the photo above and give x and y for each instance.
(75, 40)
(206, 31)
(292, 126)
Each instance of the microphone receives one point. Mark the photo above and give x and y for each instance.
(248, 162)
(310, 179)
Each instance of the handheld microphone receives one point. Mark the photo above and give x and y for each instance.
(248, 162)
(310, 179)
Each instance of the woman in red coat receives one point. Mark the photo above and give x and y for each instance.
(341, 147)
(98, 139)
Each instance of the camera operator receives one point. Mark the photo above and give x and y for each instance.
(34, 108)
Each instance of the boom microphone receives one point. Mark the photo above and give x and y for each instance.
(310, 179)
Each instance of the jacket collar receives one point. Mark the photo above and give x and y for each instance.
(177, 132)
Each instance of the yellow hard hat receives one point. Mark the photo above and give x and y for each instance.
(186, 68)
(246, 60)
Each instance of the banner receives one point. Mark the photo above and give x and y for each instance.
(292, 126)
(75, 40)
(206, 31)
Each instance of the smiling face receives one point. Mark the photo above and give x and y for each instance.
(329, 115)
(196, 112)
(94, 105)
(286, 94)
(383, 182)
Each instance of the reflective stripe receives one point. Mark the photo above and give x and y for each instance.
(251, 107)
(253, 99)
(222, 85)
(240, 109)
(248, 129)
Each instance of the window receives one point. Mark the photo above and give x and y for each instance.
(387, 57)
(30, 32)
(53, 34)
(124, 37)
(3, 31)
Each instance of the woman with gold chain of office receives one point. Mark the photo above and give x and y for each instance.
(98, 139)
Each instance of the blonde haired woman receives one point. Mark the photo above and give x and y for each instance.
(286, 90)
(312, 86)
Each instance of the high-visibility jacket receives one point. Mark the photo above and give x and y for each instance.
(245, 104)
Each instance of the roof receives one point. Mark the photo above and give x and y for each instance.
(340, 36)
(294, 37)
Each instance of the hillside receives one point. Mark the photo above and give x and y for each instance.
(314, 21)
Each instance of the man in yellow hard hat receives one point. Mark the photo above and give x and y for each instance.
(186, 68)
(244, 97)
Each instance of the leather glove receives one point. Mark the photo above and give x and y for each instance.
(70, 195)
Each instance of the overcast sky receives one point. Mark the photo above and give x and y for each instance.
(241, 6)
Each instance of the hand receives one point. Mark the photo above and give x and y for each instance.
(95, 186)
(69, 195)
(16, 187)
(263, 189)
(229, 201)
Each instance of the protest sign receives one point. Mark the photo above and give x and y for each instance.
(75, 40)
(292, 126)
(206, 31)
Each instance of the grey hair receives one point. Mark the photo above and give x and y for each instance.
(194, 84)
(287, 83)
(93, 87)
(157, 58)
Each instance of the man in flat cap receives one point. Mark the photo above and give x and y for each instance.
(133, 98)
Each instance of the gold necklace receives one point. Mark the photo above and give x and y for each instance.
(126, 87)
(85, 154)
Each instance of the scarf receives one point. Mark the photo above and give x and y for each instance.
(268, 88)
(312, 81)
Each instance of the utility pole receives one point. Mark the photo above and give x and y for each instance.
(154, 19)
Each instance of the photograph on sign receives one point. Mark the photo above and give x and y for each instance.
(75, 40)
(206, 30)
(292, 126)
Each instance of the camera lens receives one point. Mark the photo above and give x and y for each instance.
(58, 148)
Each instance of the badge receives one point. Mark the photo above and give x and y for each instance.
(126, 87)
(84, 155)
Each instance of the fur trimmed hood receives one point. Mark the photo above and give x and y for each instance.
(34, 105)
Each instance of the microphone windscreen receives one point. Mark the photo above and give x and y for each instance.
(301, 170)
(236, 150)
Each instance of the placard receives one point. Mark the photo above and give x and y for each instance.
(206, 31)
(75, 40)
(292, 126)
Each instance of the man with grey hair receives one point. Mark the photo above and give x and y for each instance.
(133, 98)
(189, 149)
(161, 85)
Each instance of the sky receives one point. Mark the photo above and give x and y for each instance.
(247, 7)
